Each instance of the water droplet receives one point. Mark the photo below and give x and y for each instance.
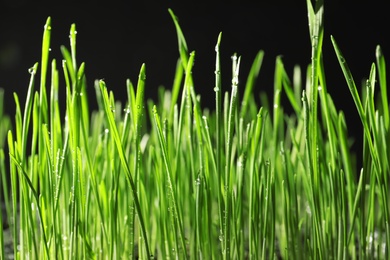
(31, 70)
(235, 80)
(240, 163)
(308, 210)
(81, 94)
(267, 163)
(106, 130)
(276, 106)
(319, 88)
(216, 89)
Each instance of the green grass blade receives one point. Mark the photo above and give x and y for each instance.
(125, 165)
(356, 98)
(228, 152)
(219, 133)
(250, 82)
(176, 87)
(381, 65)
(171, 185)
(182, 44)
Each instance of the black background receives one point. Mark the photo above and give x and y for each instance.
(115, 39)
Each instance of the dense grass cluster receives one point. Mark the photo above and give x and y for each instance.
(169, 179)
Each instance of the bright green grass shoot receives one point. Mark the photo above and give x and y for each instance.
(168, 178)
